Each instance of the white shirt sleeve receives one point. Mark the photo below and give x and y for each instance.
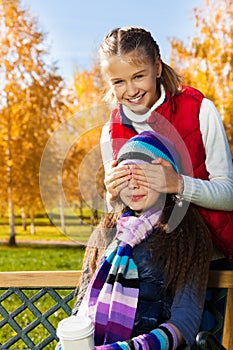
(217, 193)
(106, 147)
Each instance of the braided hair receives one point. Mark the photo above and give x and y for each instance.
(141, 46)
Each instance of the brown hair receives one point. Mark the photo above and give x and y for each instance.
(125, 40)
(183, 254)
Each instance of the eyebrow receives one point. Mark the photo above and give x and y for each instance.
(135, 74)
(141, 71)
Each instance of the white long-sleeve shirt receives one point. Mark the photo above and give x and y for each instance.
(215, 193)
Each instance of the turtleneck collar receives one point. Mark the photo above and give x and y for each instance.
(141, 118)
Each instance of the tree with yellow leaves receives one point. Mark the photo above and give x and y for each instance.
(83, 163)
(88, 86)
(207, 62)
(31, 107)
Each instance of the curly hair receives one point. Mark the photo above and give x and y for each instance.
(184, 253)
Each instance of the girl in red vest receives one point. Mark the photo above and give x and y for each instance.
(150, 96)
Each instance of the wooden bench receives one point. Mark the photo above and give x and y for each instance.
(224, 279)
(40, 297)
(52, 280)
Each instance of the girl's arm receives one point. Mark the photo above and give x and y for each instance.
(166, 336)
(116, 177)
(217, 193)
(182, 327)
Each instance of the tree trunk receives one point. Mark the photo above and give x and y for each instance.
(32, 224)
(61, 205)
(94, 218)
(23, 217)
(12, 241)
(80, 207)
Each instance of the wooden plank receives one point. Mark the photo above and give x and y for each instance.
(220, 279)
(227, 340)
(40, 279)
(217, 279)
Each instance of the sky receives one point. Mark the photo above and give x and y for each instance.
(75, 28)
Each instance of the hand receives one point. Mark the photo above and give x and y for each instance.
(116, 179)
(159, 176)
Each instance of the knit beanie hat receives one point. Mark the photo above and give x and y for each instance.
(148, 146)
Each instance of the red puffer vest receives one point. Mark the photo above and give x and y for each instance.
(178, 119)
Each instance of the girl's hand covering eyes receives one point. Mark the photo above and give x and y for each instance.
(115, 180)
(158, 176)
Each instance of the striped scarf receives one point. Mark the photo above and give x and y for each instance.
(112, 296)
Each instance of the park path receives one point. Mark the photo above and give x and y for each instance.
(45, 242)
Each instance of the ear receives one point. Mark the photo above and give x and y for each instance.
(159, 67)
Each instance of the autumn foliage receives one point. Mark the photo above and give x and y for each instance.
(31, 107)
(207, 61)
(35, 102)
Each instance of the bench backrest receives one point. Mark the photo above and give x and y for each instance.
(49, 283)
(224, 279)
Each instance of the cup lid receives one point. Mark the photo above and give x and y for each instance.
(75, 327)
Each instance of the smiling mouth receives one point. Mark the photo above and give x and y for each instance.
(136, 198)
(136, 99)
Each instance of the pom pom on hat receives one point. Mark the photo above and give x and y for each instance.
(148, 146)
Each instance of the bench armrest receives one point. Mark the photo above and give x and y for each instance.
(206, 340)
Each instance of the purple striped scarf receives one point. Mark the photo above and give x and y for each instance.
(112, 296)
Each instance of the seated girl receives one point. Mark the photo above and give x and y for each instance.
(146, 265)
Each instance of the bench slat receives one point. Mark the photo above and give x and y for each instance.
(217, 279)
(32, 279)
(220, 279)
(227, 339)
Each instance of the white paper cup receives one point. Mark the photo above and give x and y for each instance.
(76, 332)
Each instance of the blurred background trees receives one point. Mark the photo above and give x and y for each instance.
(35, 101)
(207, 61)
(31, 107)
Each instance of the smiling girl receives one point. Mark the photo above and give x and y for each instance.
(150, 96)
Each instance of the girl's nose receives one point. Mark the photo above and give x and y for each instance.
(132, 90)
(133, 184)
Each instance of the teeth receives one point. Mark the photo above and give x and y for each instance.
(135, 99)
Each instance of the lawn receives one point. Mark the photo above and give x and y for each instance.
(44, 230)
(43, 250)
(40, 257)
(34, 256)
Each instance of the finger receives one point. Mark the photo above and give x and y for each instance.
(148, 174)
(162, 161)
(116, 188)
(114, 163)
(145, 168)
(117, 177)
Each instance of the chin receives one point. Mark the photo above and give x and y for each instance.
(139, 109)
(136, 209)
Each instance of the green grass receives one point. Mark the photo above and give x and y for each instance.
(44, 230)
(47, 256)
(40, 258)
(33, 257)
